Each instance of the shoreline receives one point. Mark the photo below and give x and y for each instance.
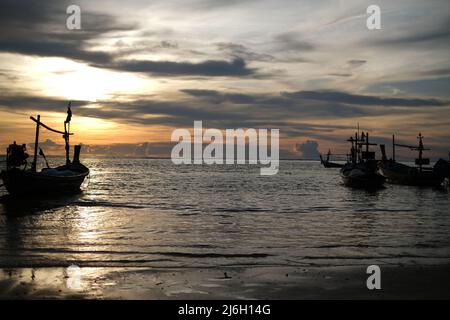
(235, 283)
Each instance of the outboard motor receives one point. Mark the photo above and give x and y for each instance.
(76, 154)
(16, 155)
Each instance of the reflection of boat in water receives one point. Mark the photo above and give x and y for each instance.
(15, 206)
(419, 175)
(361, 169)
(19, 180)
(327, 163)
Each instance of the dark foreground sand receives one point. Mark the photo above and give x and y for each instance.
(398, 282)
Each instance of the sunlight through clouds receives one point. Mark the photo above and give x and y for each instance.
(76, 81)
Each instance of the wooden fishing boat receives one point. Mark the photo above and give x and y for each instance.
(361, 169)
(418, 175)
(19, 179)
(327, 163)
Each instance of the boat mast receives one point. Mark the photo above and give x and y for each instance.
(67, 133)
(420, 137)
(393, 147)
(351, 156)
(367, 142)
(421, 160)
(36, 142)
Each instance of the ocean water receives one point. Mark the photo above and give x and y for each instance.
(151, 213)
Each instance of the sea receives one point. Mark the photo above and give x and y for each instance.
(152, 213)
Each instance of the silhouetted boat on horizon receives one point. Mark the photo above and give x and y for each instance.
(418, 175)
(361, 170)
(327, 163)
(21, 180)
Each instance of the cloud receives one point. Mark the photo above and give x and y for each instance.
(225, 109)
(292, 41)
(355, 99)
(242, 52)
(26, 102)
(51, 48)
(277, 105)
(428, 87)
(424, 32)
(212, 68)
(143, 149)
(48, 146)
(287, 111)
(206, 5)
(39, 30)
(342, 74)
(218, 97)
(217, 110)
(355, 63)
(309, 150)
(434, 72)
(439, 36)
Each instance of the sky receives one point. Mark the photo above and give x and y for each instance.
(137, 70)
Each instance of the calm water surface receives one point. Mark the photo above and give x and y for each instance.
(153, 213)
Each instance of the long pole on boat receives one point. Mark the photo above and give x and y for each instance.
(36, 143)
(367, 141)
(66, 139)
(67, 131)
(393, 147)
(420, 151)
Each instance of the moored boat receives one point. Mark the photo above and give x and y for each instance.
(420, 174)
(21, 179)
(361, 169)
(329, 164)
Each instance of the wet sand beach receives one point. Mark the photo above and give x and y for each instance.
(398, 282)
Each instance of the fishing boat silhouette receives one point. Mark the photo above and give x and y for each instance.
(420, 174)
(361, 169)
(20, 179)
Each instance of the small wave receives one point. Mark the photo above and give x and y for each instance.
(366, 246)
(426, 246)
(88, 203)
(381, 210)
(394, 256)
(161, 253)
(88, 263)
(68, 251)
(213, 255)
(239, 210)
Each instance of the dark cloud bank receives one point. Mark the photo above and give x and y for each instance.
(38, 28)
(229, 110)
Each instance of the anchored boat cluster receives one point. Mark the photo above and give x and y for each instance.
(362, 170)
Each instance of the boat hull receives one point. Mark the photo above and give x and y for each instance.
(361, 176)
(29, 183)
(366, 181)
(328, 164)
(398, 173)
